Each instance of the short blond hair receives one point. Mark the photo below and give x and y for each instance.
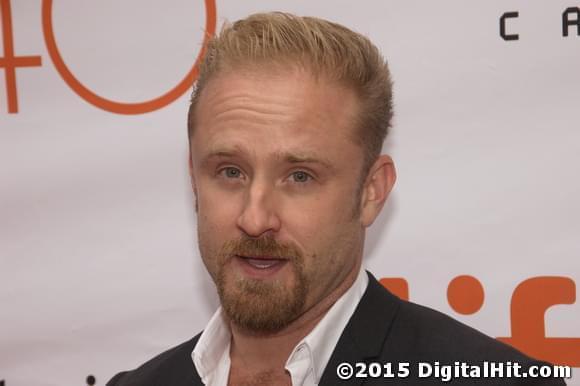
(327, 49)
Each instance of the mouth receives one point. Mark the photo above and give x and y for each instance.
(261, 266)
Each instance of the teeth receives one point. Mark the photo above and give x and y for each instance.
(261, 263)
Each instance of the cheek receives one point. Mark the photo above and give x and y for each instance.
(327, 209)
(326, 229)
(216, 223)
(216, 210)
(321, 233)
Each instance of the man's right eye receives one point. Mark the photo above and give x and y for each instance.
(230, 172)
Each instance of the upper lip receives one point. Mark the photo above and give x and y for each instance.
(263, 257)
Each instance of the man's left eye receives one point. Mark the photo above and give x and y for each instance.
(300, 176)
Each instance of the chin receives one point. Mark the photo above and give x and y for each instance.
(261, 306)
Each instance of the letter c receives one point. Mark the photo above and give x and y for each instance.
(502, 19)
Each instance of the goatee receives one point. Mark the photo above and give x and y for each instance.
(261, 306)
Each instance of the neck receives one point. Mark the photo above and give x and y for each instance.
(258, 352)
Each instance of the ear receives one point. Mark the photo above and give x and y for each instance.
(192, 178)
(376, 189)
(190, 163)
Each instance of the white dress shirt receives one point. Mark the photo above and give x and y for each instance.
(309, 357)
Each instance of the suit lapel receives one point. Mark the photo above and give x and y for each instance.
(183, 372)
(364, 336)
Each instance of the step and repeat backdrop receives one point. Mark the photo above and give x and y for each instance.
(99, 267)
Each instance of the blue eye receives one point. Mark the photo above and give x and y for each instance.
(301, 177)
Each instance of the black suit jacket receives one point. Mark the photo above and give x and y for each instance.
(383, 329)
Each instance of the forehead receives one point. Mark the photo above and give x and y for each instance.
(273, 112)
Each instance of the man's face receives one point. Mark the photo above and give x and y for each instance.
(276, 171)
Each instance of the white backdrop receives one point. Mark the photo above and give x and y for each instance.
(99, 268)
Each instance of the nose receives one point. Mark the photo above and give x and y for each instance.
(259, 215)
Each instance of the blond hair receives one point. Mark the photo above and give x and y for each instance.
(327, 49)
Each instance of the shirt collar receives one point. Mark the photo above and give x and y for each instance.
(212, 347)
(214, 343)
(322, 340)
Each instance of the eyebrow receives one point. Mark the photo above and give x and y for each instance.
(305, 158)
(290, 157)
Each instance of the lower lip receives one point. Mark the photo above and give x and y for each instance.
(260, 273)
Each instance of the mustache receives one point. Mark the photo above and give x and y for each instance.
(263, 246)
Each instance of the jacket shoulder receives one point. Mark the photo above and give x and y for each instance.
(418, 334)
(172, 367)
(433, 334)
(401, 329)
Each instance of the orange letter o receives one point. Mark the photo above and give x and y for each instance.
(120, 107)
